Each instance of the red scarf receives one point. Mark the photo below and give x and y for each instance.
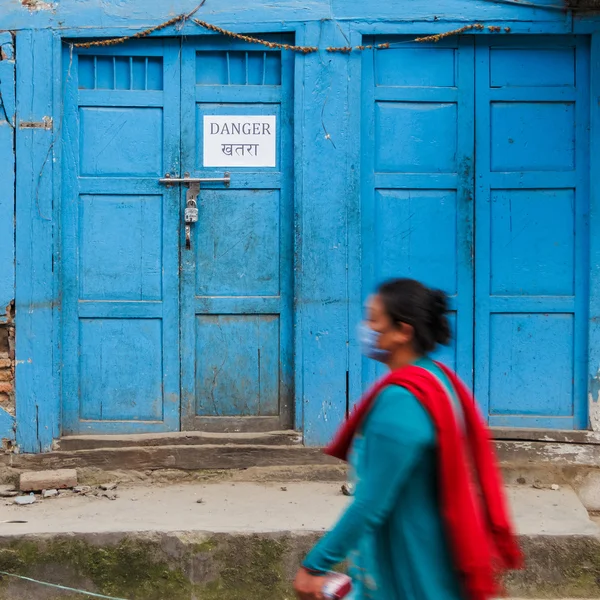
(473, 505)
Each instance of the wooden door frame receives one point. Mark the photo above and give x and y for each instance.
(37, 292)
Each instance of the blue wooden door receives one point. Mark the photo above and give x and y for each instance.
(518, 174)
(417, 177)
(147, 318)
(236, 286)
(532, 231)
(120, 235)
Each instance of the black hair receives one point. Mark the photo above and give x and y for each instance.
(409, 301)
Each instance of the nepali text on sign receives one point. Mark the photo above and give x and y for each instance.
(240, 141)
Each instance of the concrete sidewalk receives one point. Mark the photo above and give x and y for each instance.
(244, 541)
(255, 508)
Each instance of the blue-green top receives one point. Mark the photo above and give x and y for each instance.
(392, 533)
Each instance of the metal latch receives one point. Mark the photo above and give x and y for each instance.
(190, 214)
(187, 180)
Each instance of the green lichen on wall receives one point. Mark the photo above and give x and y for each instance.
(133, 568)
(213, 568)
(196, 566)
(565, 567)
(251, 569)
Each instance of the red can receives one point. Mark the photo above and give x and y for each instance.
(338, 586)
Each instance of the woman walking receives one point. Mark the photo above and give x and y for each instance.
(428, 520)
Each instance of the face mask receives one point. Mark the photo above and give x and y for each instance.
(369, 343)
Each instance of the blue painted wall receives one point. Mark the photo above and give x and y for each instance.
(7, 171)
(7, 194)
(327, 167)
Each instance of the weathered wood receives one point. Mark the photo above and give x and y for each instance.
(254, 17)
(190, 438)
(191, 457)
(544, 454)
(546, 435)
(237, 425)
(328, 285)
(187, 458)
(36, 390)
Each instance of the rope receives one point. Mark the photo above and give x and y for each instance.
(276, 45)
(345, 49)
(141, 34)
(253, 40)
(60, 587)
(342, 49)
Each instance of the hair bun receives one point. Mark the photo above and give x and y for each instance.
(409, 301)
(439, 302)
(439, 310)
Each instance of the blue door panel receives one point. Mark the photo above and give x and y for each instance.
(127, 263)
(120, 234)
(518, 170)
(531, 358)
(251, 343)
(238, 250)
(109, 350)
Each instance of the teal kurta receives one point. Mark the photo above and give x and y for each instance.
(392, 533)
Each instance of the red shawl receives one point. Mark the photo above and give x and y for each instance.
(473, 505)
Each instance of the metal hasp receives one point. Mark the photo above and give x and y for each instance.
(191, 196)
(187, 180)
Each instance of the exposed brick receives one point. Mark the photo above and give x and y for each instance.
(5, 363)
(6, 387)
(4, 398)
(6, 375)
(4, 335)
(34, 481)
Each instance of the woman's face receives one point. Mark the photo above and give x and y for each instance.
(392, 336)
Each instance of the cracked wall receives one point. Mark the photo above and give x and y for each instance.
(7, 362)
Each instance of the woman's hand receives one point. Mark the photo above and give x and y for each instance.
(309, 587)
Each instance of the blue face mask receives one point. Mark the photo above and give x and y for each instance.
(369, 343)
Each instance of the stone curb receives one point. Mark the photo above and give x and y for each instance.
(238, 566)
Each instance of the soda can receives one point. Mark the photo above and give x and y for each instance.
(337, 586)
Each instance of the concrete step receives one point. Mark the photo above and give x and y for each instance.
(555, 461)
(184, 457)
(180, 438)
(279, 455)
(244, 541)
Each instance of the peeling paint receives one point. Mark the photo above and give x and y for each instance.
(540, 453)
(594, 401)
(45, 123)
(37, 5)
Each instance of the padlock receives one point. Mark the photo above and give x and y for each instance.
(191, 212)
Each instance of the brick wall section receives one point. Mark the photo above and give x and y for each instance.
(7, 365)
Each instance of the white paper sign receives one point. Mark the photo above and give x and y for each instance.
(240, 141)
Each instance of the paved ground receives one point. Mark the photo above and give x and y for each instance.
(197, 529)
(248, 507)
